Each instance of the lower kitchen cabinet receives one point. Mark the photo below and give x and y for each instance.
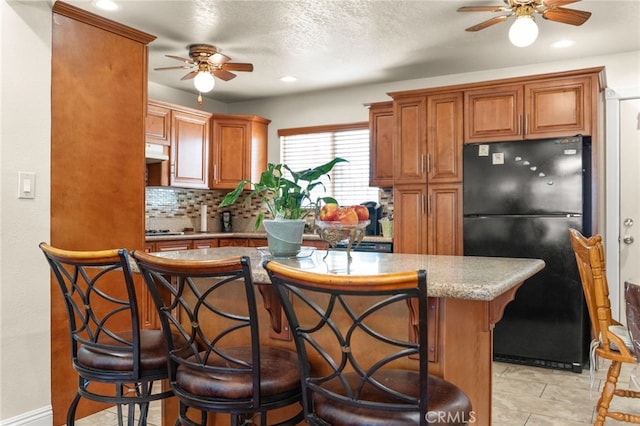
(234, 242)
(205, 243)
(428, 219)
(410, 218)
(444, 219)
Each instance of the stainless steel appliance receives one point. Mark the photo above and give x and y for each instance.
(520, 199)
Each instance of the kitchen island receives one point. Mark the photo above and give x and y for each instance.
(467, 294)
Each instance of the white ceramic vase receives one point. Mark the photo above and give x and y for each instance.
(284, 236)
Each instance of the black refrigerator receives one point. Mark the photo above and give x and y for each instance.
(520, 199)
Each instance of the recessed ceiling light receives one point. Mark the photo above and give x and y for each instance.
(288, 79)
(561, 44)
(105, 4)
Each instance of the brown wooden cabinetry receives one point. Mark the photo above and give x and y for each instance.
(239, 149)
(234, 242)
(97, 160)
(410, 218)
(410, 151)
(205, 243)
(158, 124)
(547, 108)
(428, 174)
(444, 137)
(444, 219)
(189, 149)
(381, 130)
(187, 133)
(432, 124)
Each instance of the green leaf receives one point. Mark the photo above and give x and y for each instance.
(233, 196)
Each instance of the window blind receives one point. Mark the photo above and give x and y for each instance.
(310, 147)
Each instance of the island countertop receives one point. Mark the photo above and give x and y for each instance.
(455, 277)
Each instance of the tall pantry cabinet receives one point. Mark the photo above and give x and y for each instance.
(427, 183)
(98, 104)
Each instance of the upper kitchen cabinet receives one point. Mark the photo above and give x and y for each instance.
(239, 149)
(187, 132)
(381, 130)
(552, 106)
(189, 149)
(158, 124)
(493, 113)
(410, 149)
(444, 137)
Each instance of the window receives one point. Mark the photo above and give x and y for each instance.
(308, 147)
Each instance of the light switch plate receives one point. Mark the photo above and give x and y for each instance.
(26, 185)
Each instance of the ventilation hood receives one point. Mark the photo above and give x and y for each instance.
(155, 153)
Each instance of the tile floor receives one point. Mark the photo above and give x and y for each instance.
(522, 396)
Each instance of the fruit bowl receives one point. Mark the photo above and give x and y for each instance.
(335, 233)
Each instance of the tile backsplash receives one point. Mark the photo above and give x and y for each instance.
(179, 208)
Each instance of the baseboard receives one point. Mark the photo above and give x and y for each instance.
(40, 417)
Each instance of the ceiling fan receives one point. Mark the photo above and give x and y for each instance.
(206, 62)
(524, 31)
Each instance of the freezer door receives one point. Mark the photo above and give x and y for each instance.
(526, 177)
(547, 320)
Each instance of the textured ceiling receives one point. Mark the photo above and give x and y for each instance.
(330, 44)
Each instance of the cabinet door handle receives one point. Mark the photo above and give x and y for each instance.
(173, 168)
(428, 197)
(428, 163)
(215, 172)
(526, 124)
(519, 124)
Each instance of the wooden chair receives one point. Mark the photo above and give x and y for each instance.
(224, 369)
(357, 366)
(611, 338)
(107, 344)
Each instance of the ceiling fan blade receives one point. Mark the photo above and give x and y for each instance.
(224, 74)
(185, 60)
(219, 58)
(483, 9)
(190, 75)
(237, 66)
(566, 16)
(488, 23)
(186, 67)
(554, 3)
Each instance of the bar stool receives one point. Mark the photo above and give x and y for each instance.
(357, 366)
(107, 344)
(211, 304)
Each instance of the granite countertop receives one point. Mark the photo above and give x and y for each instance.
(457, 277)
(204, 235)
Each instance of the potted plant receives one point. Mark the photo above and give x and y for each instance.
(284, 198)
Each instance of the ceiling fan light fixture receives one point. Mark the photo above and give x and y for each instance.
(204, 81)
(523, 32)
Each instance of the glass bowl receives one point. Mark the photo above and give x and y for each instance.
(336, 233)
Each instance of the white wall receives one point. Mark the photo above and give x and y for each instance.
(25, 37)
(25, 52)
